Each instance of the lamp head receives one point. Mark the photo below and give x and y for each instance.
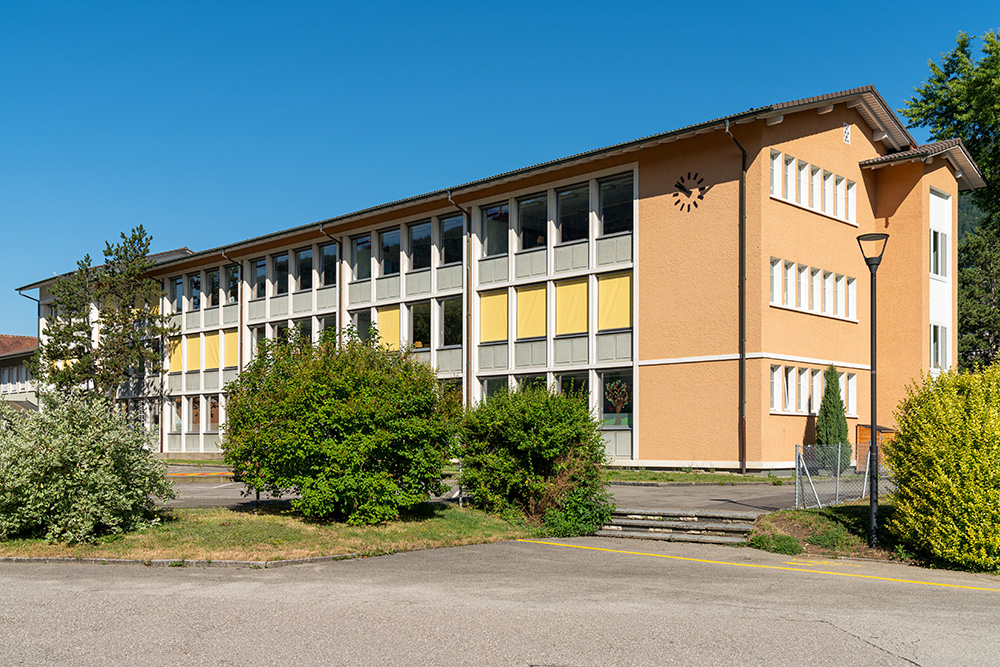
(872, 246)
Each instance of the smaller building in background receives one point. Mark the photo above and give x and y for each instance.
(16, 384)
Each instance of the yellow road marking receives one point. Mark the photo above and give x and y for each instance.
(821, 562)
(765, 567)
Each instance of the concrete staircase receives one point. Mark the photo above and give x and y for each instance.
(704, 526)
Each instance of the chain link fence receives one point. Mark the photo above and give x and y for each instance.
(834, 474)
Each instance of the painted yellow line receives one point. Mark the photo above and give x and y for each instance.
(764, 567)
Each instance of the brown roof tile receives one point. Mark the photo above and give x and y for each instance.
(10, 345)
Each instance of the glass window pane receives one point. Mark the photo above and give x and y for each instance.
(304, 269)
(176, 295)
(194, 291)
(330, 322)
(420, 246)
(493, 386)
(573, 206)
(361, 255)
(616, 205)
(362, 323)
(496, 221)
(452, 321)
(259, 268)
(213, 413)
(616, 398)
(212, 287)
(389, 252)
(451, 239)
(329, 259)
(533, 217)
(281, 273)
(194, 414)
(232, 284)
(576, 384)
(176, 420)
(420, 319)
(531, 382)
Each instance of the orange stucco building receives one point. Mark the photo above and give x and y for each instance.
(694, 284)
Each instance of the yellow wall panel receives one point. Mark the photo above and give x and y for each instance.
(388, 327)
(175, 355)
(231, 341)
(571, 307)
(493, 317)
(531, 311)
(193, 344)
(614, 301)
(212, 350)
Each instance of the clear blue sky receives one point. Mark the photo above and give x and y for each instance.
(210, 122)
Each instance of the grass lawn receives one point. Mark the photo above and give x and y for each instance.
(832, 531)
(700, 476)
(280, 534)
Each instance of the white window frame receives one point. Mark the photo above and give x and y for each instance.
(790, 376)
(852, 202)
(775, 280)
(802, 197)
(776, 388)
(816, 176)
(828, 192)
(939, 254)
(802, 296)
(803, 405)
(840, 197)
(789, 284)
(816, 283)
(817, 390)
(789, 178)
(828, 293)
(852, 394)
(775, 174)
(852, 299)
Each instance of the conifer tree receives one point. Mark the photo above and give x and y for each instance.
(831, 423)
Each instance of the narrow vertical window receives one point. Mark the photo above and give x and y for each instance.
(361, 257)
(420, 324)
(828, 193)
(388, 327)
(176, 415)
(451, 315)
(280, 268)
(194, 291)
(852, 201)
(616, 204)
(817, 290)
(789, 296)
(213, 413)
(212, 287)
(533, 221)
(803, 390)
(802, 296)
(451, 239)
(176, 294)
(817, 391)
(776, 388)
(328, 256)
(827, 293)
(362, 320)
(852, 299)
(194, 414)
(305, 328)
(616, 398)
(258, 269)
(775, 174)
(803, 193)
(790, 394)
(841, 308)
(496, 222)
(775, 280)
(789, 178)
(840, 198)
(232, 283)
(852, 394)
(573, 213)
(389, 252)
(304, 269)
(815, 176)
(420, 245)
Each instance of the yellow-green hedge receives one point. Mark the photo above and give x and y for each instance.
(946, 461)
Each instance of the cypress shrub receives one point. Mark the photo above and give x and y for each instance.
(831, 423)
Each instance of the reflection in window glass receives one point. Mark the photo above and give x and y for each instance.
(194, 414)
(533, 220)
(281, 332)
(496, 220)
(420, 319)
(573, 206)
(305, 328)
(258, 277)
(212, 287)
(576, 384)
(361, 255)
(452, 313)
(531, 382)
(389, 252)
(281, 273)
(176, 295)
(330, 322)
(362, 323)
(616, 205)
(176, 420)
(194, 291)
(213, 413)
(232, 284)
(304, 269)
(616, 398)
(420, 246)
(328, 255)
(451, 239)
(493, 386)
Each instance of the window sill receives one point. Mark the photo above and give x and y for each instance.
(450, 264)
(303, 291)
(360, 281)
(615, 331)
(567, 244)
(493, 343)
(615, 235)
(447, 347)
(786, 413)
(533, 339)
(496, 256)
(812, 312)
(389, 275)
(852, 223)
(616, 427)
(540, 248)
(939, 278)
(571, 336)
(423, 269)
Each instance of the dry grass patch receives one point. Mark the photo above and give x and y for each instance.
(832, 531)
(280, 534)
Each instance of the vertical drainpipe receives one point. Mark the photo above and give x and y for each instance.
(468, 300)
(743, 304)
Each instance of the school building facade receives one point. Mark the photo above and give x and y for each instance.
(694, 284)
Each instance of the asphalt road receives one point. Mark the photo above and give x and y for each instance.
(614, 602)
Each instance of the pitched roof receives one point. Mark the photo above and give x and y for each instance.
(157, 257)
(15, 345)
(968, 174)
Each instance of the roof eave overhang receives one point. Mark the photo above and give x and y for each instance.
(966, 172)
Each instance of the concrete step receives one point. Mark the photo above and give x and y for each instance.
(681, 526)
(671, 537)
(721, 516)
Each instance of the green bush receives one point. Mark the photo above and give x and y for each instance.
(358, 430)
(538, 455)
(946, 463)
(76, 471)
(831, 424)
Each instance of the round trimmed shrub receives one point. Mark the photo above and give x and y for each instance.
(358, 430)
(538, 455)
(946, 462)
(76, 471)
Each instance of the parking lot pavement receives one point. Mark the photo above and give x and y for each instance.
(585, 601)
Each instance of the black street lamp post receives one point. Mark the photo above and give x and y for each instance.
(872, 247)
